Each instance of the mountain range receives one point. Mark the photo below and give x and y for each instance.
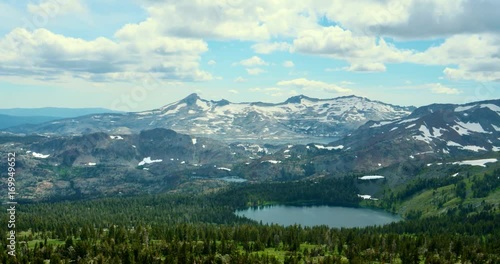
(297, 118)
(24, 116)
(77, 160)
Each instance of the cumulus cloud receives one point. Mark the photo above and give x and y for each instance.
(471, 32)
(306, 84)
(44, 53)
(259, 20)
(335, 42)
(367, 67)
(266, 48)
(253, 61)
(467, 57)
(211, 62)
(415, 19)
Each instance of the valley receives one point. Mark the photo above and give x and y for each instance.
(174, 195)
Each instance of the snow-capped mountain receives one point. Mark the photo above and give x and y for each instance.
(297, 117)
(438, 130)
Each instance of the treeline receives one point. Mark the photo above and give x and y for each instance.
(421, 184)
(176, 228)
(445, 239)
(329, 191)
(481, 187)
(181, 208)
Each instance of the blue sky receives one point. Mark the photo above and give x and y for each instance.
(142, 54)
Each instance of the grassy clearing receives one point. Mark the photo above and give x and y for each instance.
(54, 242)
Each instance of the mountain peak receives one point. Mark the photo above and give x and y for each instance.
(298, 99)
(191, 99)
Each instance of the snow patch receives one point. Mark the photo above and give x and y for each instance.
(92, 164)
(474, 127)
(366, 197)
(464, 108)
(379, 124)
(194, 141)
(473, 148)
(115, 137)
(408, 120)
(480, 162)
(40, 156)
(271, 161)
(371, 177)
(175, 110)
(460, 130)
(329, 147)
(148, 160)
(222, 168)
(453, 144)
(492, 107)
(426, 137)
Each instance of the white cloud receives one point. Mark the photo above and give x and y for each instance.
(259, 20)
(53, 8)
(233, 91)
(367, 67)
(253, 61)
(468, 57)
(266, 48)
(414, 19)
(211, 62)
(438, 88)
(306, 84)
(255, 71)
(44, 53)
(239, 79)
(335, 42)
(288, 64)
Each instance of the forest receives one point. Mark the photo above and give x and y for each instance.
(182, 228)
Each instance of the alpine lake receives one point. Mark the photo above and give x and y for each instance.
(332, 216)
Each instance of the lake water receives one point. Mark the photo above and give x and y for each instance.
(233, 179)
(332, 216)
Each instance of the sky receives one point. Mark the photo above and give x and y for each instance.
(134, 55)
